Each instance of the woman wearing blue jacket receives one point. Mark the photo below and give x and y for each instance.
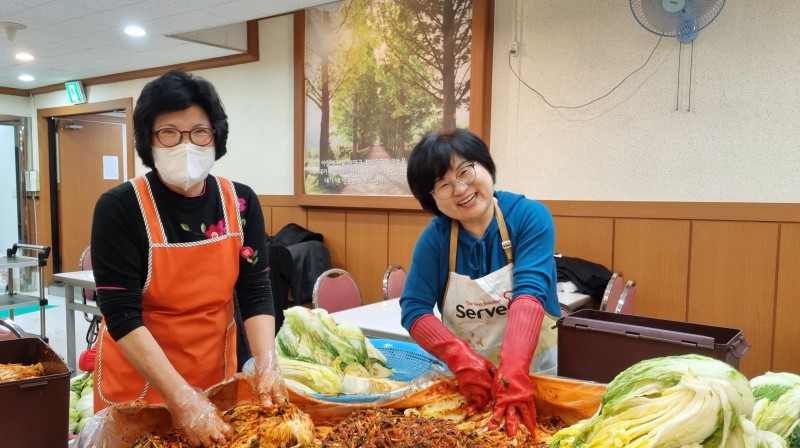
(486, 260)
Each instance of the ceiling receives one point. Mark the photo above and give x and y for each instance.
(80, 39)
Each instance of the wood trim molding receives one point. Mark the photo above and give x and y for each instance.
(277, 200)
(481, 104)
(704, 211)
(712, 211)
(13, 92)
(368, 202)
(251, 55)
(299, 100)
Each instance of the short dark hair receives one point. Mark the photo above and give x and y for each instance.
(430, 160)
(173, 91)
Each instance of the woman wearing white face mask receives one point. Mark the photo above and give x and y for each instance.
(168, 250)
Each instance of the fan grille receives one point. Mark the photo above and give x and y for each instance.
(683, 24)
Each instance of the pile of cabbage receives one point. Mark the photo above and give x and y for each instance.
(317, 355)
(81, 401)
(690, 401)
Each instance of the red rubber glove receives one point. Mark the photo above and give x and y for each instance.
(512, 389)
(473, 372)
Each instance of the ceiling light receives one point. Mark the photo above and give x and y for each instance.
(24, 56)
(135, 31)
(26, 78)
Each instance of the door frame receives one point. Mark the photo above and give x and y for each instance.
(42, 117)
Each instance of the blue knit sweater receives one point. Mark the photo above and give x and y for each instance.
(532, 234)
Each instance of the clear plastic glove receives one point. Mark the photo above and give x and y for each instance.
(267, 380)
(198, 418)
(98, 432)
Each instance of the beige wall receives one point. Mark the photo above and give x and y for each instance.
(738, 143)
(258, 100)
(691, 260)
(16, 105)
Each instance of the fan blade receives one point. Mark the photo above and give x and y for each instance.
(663, 19)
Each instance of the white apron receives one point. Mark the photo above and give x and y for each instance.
(477, 310)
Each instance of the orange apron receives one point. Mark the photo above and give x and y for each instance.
(187, 305)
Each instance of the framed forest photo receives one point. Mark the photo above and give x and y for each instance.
(371, 78)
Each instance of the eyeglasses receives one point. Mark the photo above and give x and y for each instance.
(445, 189)
(170, 137)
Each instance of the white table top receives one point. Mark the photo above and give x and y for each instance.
(379, 319)
(81, 279)
(382, 319)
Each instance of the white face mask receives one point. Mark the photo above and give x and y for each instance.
(184, 165)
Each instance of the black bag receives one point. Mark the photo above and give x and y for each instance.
(293, 233)
(590, 278)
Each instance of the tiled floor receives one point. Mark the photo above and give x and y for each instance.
(56, 325)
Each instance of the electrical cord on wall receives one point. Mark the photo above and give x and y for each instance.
(594, 100)
(691, 67)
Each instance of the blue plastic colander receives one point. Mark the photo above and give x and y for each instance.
(408, 361)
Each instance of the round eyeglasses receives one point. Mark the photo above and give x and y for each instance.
(170, 137)
(445, 189)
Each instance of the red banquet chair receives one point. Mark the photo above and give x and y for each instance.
(394, 280)
(335, 290)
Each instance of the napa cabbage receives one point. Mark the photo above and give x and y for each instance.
(670, 402)
(315, 351)
(777, 407)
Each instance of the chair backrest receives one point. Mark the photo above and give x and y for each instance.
(335, 290)
(10, 330)
(627, 299)
(85, 264)
(394, 279)
(612, 293)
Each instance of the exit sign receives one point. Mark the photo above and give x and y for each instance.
(75, 92)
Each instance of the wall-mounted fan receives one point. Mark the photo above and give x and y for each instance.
(676, 18)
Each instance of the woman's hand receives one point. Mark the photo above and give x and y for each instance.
(198, 418)
(267, 380)
(513, 393)
(512, 388)
(473, 372)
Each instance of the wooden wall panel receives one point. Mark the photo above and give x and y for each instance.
(786, 354)
(655, 254)
(285, 215)
(367, 251)
(732, 283)
(587, 238)
(331, 223)
(404, 230)
(725, 264)
(267, 212)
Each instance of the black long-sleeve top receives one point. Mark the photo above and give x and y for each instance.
(119, 247)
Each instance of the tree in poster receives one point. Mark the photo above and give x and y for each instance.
(358, 108)
(436, 35)
(317, 82)
(371, 90)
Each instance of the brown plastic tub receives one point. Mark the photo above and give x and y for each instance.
(597, 345)
(34, 413)
(121, 425)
